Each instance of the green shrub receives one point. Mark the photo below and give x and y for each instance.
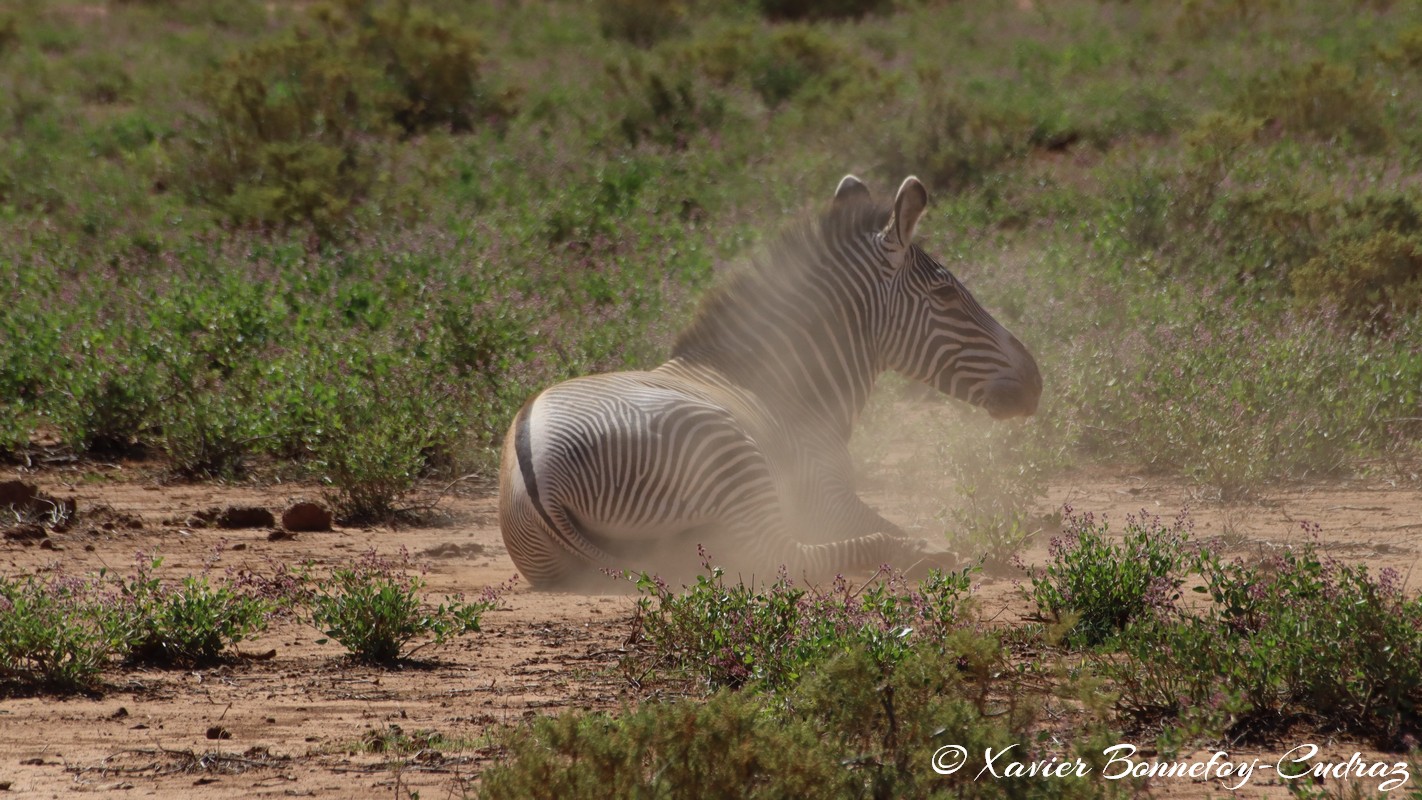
(293, 135)
(1187, 208)
(641, 22)
(123, 134)
(373, 608)
(433, 65)
(797, 57)
(664, 103)
(1212, 148)
(1409, 47)
(386, 428)
(852, 729)
(1296, 636)
(108, 81)
(1379, 276)
(1201, 18)
(299, 125)
(53, 634)
(725, 747)
(1329, 101)
(60, 631)
(191, 623)
(734, 635)
(110, 397)
(212, 433)
(9, 34)
(1233, 402)
(953, 140)
(1101, 586)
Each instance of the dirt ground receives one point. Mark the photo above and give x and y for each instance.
(294, 723)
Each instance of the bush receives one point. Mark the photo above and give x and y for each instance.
(373, 609)
(798, 57)
(385, 429)
(641, 22)
(109, 398)
(433, 66)
(190, 623)
(1100, 587)
(1367, 280)
(59, 632)
(293, 133)
(664, 103)
(1233, 402)
(53, 634)
(1295, 636)
(1329, 101)
(852, 729)
(954, 141)
(735, 635)
(298, 126)
(213, 432)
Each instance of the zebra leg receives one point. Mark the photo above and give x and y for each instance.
(817, 562)
(828, 501)
(852, 517)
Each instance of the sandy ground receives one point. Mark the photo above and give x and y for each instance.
(296, 721)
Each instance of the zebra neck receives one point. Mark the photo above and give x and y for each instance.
(796, 395)
(797, 329)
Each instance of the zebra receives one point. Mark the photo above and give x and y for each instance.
(739, 442)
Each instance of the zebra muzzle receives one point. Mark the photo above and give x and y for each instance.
(1007, 398)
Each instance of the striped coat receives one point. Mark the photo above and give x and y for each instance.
(739, 442)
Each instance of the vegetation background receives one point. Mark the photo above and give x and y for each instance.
(348, 239)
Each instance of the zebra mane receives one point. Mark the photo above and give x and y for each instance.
(794, 260)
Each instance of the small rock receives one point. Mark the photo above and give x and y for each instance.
(306, 516)
(218, 732)
(246, 517)
(48, 544)
(280, 536)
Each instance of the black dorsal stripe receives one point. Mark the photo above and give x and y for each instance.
(523, 449)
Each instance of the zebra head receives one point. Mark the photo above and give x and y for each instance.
(934, 330)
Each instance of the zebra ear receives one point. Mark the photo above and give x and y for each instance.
(850, 188)
(909, 204)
